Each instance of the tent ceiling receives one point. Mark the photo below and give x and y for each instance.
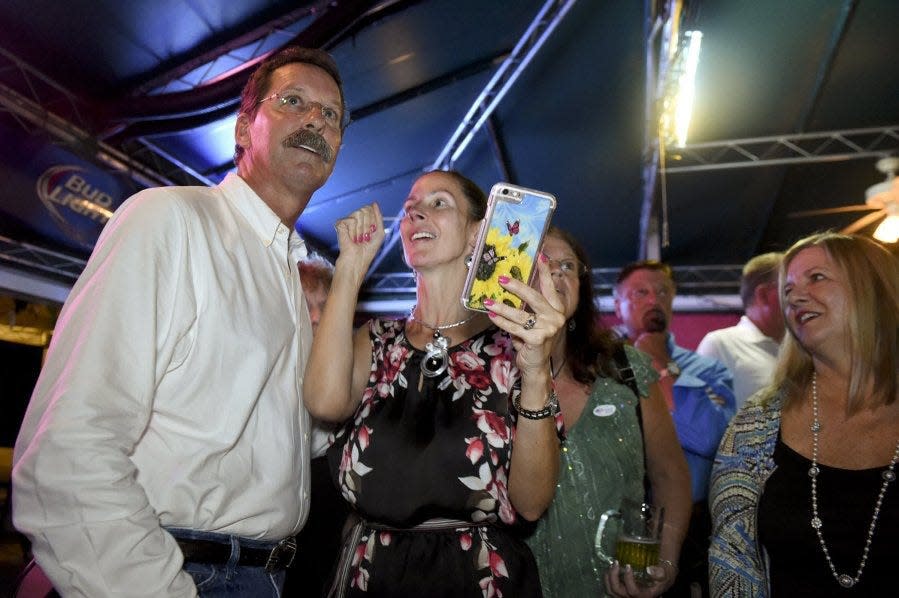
(152, 86)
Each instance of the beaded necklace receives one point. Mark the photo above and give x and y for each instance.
(888, 475)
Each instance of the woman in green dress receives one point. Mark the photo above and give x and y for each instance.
(603, 456)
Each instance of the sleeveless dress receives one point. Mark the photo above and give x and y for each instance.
(424, 464)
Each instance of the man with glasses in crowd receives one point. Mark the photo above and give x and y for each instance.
(167, 428)
(699, 392)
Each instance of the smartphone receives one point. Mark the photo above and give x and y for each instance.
(507, 244)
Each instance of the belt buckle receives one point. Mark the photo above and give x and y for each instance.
(286, 548)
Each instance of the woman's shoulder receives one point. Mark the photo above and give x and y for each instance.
(385, 328)
(753, 430)
(636, 357)
(762, 407)
(641, 363)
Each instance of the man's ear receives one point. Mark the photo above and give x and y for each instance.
(766, 294)
(617, 306)
(242, 130)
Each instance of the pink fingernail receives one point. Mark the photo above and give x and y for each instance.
(367, 237)
(504, 279)
(491, 314)
(489, 301)
(372, 228)
(543, 257)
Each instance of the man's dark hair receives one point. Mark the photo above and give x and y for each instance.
(654, 265)
(258, 85)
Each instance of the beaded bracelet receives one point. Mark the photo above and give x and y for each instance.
(549, 410)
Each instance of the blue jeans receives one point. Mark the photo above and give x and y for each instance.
(220, 580)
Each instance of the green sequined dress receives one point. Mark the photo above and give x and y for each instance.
(601, 463)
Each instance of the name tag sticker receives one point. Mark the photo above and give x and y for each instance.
(604, 410)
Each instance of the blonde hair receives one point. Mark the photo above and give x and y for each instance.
(872, 284)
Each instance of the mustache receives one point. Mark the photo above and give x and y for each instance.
(304, 138)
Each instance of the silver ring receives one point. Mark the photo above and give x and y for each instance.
(530, 323)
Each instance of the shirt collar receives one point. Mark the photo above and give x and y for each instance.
(752, 331)
(260, 216)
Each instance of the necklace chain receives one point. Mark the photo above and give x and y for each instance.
(888, 476)
(555, 372)
(436, 358)
(437, 329)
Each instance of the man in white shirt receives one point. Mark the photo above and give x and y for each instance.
(166, 440)
(749, 349)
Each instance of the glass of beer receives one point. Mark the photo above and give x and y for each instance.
(635, 531)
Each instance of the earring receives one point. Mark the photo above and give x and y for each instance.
(571, 325)
(468, 261)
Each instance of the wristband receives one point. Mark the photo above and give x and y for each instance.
(549, 410)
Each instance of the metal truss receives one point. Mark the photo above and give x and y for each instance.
(66, 267)
(534, 37)
(487, 101)
(248, 48)
(39, 103)
(776, 150)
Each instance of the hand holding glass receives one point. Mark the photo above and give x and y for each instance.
(638, 538)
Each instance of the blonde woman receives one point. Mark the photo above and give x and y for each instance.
(804, 499)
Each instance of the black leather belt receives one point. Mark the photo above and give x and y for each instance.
(211, 552)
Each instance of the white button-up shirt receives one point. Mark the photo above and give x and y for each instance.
(171, 394)
(749, 355)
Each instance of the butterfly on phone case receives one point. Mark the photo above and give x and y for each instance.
(513, 227)
(489, 260)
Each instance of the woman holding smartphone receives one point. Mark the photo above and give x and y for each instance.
(437, 401)
(618, 435)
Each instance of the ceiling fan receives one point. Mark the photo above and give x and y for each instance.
(882, 198)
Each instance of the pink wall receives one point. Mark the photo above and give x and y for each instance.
(689, 327)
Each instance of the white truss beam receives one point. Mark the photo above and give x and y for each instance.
(779, 150)
(549, 16)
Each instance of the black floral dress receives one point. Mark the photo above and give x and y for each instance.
(420, 450)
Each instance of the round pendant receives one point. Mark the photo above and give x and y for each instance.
(433, 364)
(436, 359)
(846, 581)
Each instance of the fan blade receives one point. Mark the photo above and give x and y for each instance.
(823, 211)
(864, 221)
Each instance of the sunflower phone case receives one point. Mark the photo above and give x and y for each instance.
(507, 245)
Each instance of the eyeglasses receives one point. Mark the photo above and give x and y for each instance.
(642, 293)
(293, 103)
(568, 267)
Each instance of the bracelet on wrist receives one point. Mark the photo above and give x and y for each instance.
(549, 410)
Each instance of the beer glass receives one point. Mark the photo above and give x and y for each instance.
(636, 530)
